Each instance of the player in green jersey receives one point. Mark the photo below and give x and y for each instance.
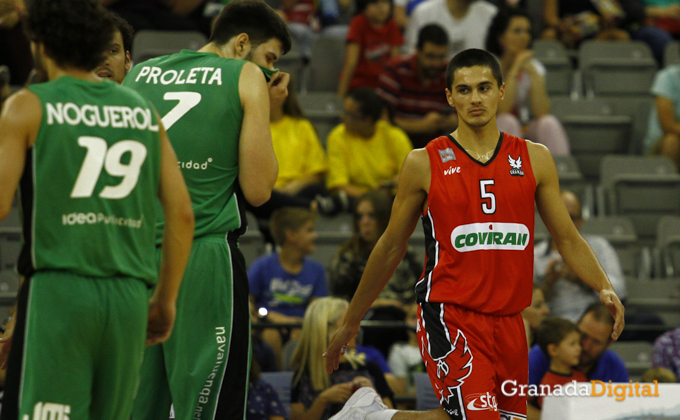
(90, 158)
(118, 61)
(216, 109)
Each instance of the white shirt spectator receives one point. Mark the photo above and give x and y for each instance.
(468, 32)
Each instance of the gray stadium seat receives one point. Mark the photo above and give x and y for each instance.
(668, 247)
(643, 188)
(9, 283)
(426, 399)
(594, 130)
(660, 296)
(292, 63)
(148, 44)
(553, 55)
(10, 247)
(13, 220)
(637, 355)
(637, 108)
(327, 244)
(671, 54)
(620, 233)
(323, 109)
(282, 383)
(571, 178)
(616, 68)
(327, 57)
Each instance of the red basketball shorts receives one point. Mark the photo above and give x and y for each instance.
(468, 356)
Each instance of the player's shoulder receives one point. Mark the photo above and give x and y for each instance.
(24, 105)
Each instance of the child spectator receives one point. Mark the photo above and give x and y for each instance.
(263, 401)
(286, 282)
(316, 395)
(560, 340)
(372, 40)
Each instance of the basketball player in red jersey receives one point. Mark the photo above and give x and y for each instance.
(475, 191)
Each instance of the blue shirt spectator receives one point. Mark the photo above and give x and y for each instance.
(608, 367)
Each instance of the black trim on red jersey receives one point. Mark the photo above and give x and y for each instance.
(495, 152)
(423, 286)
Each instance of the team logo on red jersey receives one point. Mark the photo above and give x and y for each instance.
(447, 154)
(478, 402)
(516, 166)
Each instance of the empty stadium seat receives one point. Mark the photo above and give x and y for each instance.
(571, 178)
(638, 109)
(643, 188)
(426, 399)
(10, 246)
(282, 383)
(327, 57)
(637, 355)
(620, 233)
(148, 44)
(594, 131)
(323, 109)
(616, 68)
(559, 72)
(9, 283)
(671, 54)
(668, 246)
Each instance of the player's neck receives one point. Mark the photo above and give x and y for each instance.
(55, 72)
(477, 141)
(291, 259)
(225, 51)
(560, 367)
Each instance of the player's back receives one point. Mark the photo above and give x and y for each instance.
(89, 186)
(197, 96)
(479, 228)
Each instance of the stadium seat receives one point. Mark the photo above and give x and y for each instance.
(9, 283)
(616, 68)
(323, 109)
(426, 399)
(594, 130)
(671, 54)
(620, 233)
(148, 44)
(13, 220)
(559, 72)
(643, 188)
(327, 244)
(328, 53)
(571, 178)
(294, 64)
(282, 383)
(10, 247)
(668, 247)
(638, 109)
(637, 355)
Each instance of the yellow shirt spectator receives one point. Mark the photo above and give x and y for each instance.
(366, 163)
(297, 150)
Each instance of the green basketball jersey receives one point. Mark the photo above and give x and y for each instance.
(197, 96)
(90, 184)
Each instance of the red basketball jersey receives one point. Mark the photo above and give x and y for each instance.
(479, 228)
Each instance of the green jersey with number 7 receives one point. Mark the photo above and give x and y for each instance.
(197, 95)
(97, 218)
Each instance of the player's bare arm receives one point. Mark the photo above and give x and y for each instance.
(258, 168)
(177, 238)
(389, 251)
(571, 245)
(19, 124)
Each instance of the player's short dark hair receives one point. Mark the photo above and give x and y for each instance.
(288, 218)
(254, 18)
(75, 33)
(125, 30)
(470, 58)
(370, 104)
(552, 331)
(499, 25)
(433, 34)
(600, 313)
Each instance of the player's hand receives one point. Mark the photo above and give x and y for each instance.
(338, 345)
(278, 89)
(161, 319)
(338, 394)
(6, 342)
(615, 307)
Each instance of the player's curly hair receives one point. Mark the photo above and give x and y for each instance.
(75, 33)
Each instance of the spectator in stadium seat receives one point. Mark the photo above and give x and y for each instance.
(572, 21)
(371, 216)
(373, 39)
(302, 161)
(316, 395)
(364, 152)
(666, 352)
(263, 400)
(286, 282)
(663, 126)
(533, 314)
(414, 86)
(597, 362)
(526, 102)
(566, 294)
(466, 23)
